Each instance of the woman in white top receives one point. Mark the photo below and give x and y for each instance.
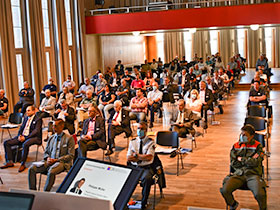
(67, 96)
(194, 103)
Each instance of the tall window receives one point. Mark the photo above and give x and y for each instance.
(69, 32)
(268, 43)
(214, 41)
(18, 39)
(188, 45)
(241, 41)
(47, 34)
(160, 46)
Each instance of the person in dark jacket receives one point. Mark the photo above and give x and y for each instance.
(93, 134)
(26, 98)
(246, 158)
(30, 133)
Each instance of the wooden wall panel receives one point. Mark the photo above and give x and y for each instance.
(128, 49)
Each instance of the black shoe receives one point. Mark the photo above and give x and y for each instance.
(109, 152)
(221, 109)
(151, 125)
(79, 133)
(235, 205)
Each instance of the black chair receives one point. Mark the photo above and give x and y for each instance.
(257, 111)
(258, 123)
(170, 139)
(14, 121)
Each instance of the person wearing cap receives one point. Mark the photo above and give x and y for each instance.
(246, 158)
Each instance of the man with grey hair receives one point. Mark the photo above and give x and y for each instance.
(119, 122)
(47, 106)
(3, 102)
(100, 84)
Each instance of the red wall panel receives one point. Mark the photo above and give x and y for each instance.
(185, 18)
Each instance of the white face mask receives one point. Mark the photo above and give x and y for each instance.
(193, 96)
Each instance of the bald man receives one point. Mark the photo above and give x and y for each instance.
(3, 102)
(26, 95)
(119, 122)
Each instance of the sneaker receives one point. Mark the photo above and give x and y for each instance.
(235, 205)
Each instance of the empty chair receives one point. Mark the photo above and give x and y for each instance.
(258, 123)
(257, 111)
(14, 121)
(170, 139)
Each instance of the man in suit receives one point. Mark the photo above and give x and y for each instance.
(26, 96)
(119, 122)
(182, 120)
(29, 133)
(77, 187)
(207, 99)
(93, 134)
(47, 106)
(58, 157)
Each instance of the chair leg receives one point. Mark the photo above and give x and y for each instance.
(103, 155)
(178, 164)
(181, 156)
(16, 157)
(9, 133)
(2, 135)
(154, 203)
(1, 181)
(40, 182)
(37, 153)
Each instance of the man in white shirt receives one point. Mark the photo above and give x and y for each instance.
(154, 102)
(47, 106)
(141, 152)
(87, 86)
(70, 84)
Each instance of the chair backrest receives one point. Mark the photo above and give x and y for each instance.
(15, 118)
(257, 111)
(257, 122)
(168, 138)
(260, 138)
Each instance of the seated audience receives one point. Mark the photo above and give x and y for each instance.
(223, 75)
(148, 81)
(233, 66)
(58, 157)
(114, 82)
(50, 87)
(202, 66)
(70, 84)
(67, 96)
(100, 84)
(141, 152)
(68, 115)
(207, 99)
(30, 133)
(246, 158)
(94, 78)
(163, 75)
(93, 135)
(47, 106)
(257, 95)
(119, 123)
(138, 106)
(87, 86)
(138, 83)
(194, 103)
(106, 101)
(182, 120)
(262, 75)
(219, 63)
(119, 68)
(262, 62)
(127, 77)
(220, 85)
(197, 72)
(154, 65)
(3, 103)
(154, 102)
(26, 98)
(167, 101)
(123, 93)
(83, 108)
(107, 75)
(183, 82)
(144, 69)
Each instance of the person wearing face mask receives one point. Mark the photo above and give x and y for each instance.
(246, 158)
(70, 84)
(141, 153)
(154, 102)
(194, 103)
